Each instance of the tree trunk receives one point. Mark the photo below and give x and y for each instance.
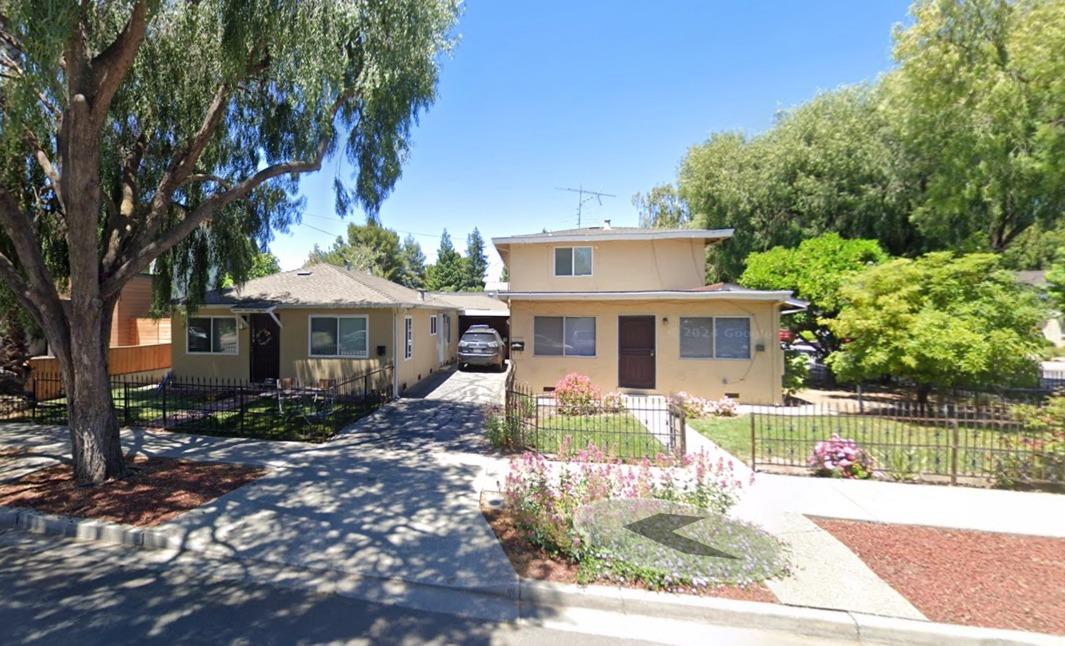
(97, 448)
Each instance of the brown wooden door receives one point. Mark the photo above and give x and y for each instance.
(265, 348)
(636, 351)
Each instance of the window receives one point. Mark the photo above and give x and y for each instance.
(697, 338)
(408, 337)
(569, 336)
(211, 335)
(732, 338)
(447, 327)
(339, 336)
(433, 323)
(573, 261)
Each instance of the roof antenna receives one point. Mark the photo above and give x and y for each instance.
(581, 199)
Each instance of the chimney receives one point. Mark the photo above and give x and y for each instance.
(421, 294)
(606, 224)
(347, 265)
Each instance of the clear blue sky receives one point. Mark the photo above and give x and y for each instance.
(539, 95)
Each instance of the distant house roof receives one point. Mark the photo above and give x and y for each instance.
(593, 234)
(1035, 278)
(474, 303)
(321, 285)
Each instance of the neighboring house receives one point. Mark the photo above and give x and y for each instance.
(318, 323)
(629, 308)
(1053, 327)
(131, 323)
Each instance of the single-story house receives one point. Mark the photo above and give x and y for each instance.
(317, 323)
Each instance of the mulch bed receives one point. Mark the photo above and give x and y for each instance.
(531, 562)
(965, 577)
(155, 490)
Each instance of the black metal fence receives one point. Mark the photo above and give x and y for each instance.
(283, 410)
(1001, 443)
(620, 426)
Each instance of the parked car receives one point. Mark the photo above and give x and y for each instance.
(481, 345)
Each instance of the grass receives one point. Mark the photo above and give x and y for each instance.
(616, 434)
(902, 448)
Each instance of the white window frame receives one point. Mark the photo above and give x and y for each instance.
(434, 323)
(408, 338)
(236, 322)
(573, 262)
(750, 344)
(595, 323)
(337, 317)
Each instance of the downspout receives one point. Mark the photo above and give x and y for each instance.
(395, 362)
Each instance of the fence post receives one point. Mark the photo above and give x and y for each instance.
(125, 401)
(754, 450)
(954, 441)
(162, 401)
(33, 404)
(240, 389)
(682, 423)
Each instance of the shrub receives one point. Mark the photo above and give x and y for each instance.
(576, 395)
(613, 403)
(1037, 452)
(498, 429)
(840, 458)
(697, 407)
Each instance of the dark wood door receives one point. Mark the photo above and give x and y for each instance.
(265, 348)
(636, 351)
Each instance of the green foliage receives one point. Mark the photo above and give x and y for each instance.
(370, 247)
(662, 207)
(449, 273)
(412, 264)
(815, 271)
(796, 370)
(1038, 451)
(1056, 283)
(263, 264)
(940, 320)
(977, 97)
(476, 262)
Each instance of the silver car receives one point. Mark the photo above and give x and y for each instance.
(480, 345)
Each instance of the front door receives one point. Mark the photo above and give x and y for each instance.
(265, 348)
(636, 351)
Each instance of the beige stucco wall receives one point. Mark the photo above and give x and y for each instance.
(616, 266)
(215, 366)
(295, 359)
(755, 380)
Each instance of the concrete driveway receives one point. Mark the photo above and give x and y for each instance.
(473, 385)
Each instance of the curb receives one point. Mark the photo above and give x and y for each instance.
(529, 596)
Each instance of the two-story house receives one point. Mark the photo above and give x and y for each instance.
(629, 307)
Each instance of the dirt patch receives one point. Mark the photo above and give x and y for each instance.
(531, 562)
(965, 577)
(155, 491)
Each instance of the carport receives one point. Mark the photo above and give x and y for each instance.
(480, 308)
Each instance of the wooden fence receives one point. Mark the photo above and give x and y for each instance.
(121, 360)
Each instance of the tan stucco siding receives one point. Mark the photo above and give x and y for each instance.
(426, 355)
(755, 380)
(215, 366)
(298, 364)
(616, 266)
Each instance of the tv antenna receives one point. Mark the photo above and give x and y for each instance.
(581, 199)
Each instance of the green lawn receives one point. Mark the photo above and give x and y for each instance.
(616, 434)
(898, 446)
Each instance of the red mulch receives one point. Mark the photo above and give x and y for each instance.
(155, 490)
(965, 577)
(531, 562)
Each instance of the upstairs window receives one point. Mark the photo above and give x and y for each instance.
(573, 261)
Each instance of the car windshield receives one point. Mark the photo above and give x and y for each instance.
(479, 337)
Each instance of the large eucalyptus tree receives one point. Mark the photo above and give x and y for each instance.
(175, 131)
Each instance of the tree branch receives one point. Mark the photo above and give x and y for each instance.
(207, 177)
(110, 66)
(18, 285)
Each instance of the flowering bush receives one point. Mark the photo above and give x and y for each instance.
(1037, 452)
(697, 407)
(544, 496)
(613, 403)
(576, 395)
(840, 458)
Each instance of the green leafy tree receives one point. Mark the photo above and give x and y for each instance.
(978, 98)
(662, 207)
(476, 262)
(1056, 283)
(831, 165)
(263, 263)
(504, 276)
(176, 132)
(369, 247)
(815, 271)
(449, 273)
(941, 320)
(412, 264)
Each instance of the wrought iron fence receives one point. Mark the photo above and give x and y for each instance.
(995, 442)
(622, 426)
(285, 409)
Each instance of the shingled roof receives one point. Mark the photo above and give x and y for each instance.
(322, 285)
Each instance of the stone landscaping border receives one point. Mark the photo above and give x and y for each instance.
(532, 597)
